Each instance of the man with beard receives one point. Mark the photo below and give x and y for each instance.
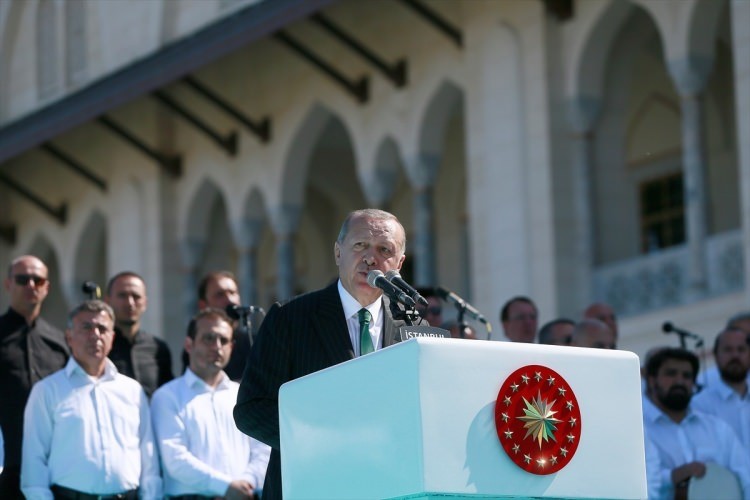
(685, 439)
(728, 398)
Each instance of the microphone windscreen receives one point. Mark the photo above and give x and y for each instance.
(667, 327)
(232, 312)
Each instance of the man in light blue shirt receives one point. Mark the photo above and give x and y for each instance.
(87, 427)
(685, 439)
(203, 453)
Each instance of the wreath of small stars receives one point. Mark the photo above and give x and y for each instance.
(538, 419)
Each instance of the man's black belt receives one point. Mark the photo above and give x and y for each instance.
(63, 493)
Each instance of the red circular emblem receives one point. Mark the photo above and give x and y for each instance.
(538, 420)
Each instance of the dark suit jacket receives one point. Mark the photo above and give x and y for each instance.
(303, 336)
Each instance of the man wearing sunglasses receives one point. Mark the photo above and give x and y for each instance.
(30, 349)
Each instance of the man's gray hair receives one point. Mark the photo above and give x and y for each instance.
(94, 306)
(370, 213)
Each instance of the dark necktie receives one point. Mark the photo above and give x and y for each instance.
(365, 341)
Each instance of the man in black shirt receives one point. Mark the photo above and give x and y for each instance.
(30, 349)
(135, 353)
(218, 289)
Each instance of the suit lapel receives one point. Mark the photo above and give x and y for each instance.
(330, 325)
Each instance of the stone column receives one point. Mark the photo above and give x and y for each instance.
(741, 52)
(690, 76)
(284, 220)
(191, 251)
(576, 282)
(247, 263)
(422, 176)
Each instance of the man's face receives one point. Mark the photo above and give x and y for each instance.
(220, 293)
(433, 312)
(603, 313)
(212, 347)
(90, 338)
(672, 387)
(522, 322)
(27, 284)
(733, 356)
(128, 299)
(561, 334)
(369, 244)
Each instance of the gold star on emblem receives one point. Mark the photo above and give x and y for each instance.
(571, 438)
(514, 387)
(569, 405)
(551, 380)
(526, 458)
(507, 400)
(508, 433)
(538, 376)
(561, 390)
(541, 462)
(524, 379)
(572, 421)
(516, 447)
(553, 459)
(564, 452)
(504, 416)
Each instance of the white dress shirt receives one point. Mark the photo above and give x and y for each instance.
(722, 401)
(202, 450)
(89, 434)
(351, 313)
(699, 437)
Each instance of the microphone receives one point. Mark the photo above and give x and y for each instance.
(461, 304)
(377, 279)
(91, 289)
(667, 327)
(394, 277)
(235, 311)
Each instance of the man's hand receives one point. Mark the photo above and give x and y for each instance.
(681, 475)
(239, 489)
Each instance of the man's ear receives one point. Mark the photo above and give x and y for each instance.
(202, 304)
(337, 253)
(188, 345)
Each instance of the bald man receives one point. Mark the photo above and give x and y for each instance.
(593, 333)
(30, 349)
(602, 312)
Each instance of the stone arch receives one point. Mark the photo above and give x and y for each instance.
(586, 80)
(383, 177)
(56, 305)
(91, 254)
(207, 228)
(441, 108)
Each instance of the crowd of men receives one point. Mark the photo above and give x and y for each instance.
(96, 412)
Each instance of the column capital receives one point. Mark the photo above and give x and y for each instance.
(422, 170)
(690, 74)
(285, 218)
(191, 250)
(582, 113)
(246, 231)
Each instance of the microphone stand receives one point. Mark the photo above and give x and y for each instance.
(409, 316)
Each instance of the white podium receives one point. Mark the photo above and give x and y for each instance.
(417, 420)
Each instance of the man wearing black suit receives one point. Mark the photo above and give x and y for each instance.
(321, 328)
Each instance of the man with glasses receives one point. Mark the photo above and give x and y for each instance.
(433, 311)
(519, 317)
(30, 349)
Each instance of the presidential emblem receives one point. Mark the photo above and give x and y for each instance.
(538, 420)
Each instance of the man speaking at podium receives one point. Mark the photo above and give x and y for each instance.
(346, 319)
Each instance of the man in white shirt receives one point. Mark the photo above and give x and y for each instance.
(728, 397)
(203, 453)
(685, 439)
(88, 428)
